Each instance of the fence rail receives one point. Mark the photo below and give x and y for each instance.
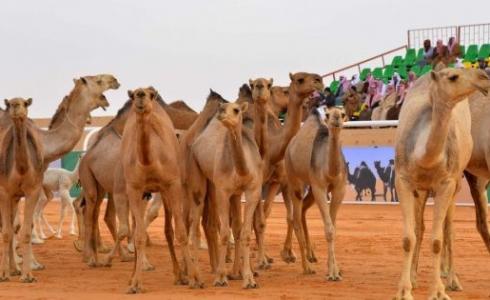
(464, 34)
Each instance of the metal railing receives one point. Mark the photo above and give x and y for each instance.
(358, 65)
(464, 34)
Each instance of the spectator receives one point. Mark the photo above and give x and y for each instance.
(459, 63)
(482, 64)
(354, 80)
(429, 54)
(328, 98)
(373, 96)
(454, 50)
(441, 54)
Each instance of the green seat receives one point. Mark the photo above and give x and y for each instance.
(402, 71)
(388, 72)
(471, 53)
(397, 60)
(334, 86)
(410, 57)
(378, 73)
(426, 69)
(420, 54)
(484, 51)
(416, 69)
(364, 73)
(462, 49)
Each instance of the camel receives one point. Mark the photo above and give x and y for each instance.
(180, 104)
(60, 180)
(387, 175)
(182, 117)
(363, 180)
(477, 172)
(279, 99)
(314, 158)
(433, 145)
(150, 163)
(226, 153)
(21, 173)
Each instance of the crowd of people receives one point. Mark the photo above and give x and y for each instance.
(373, 90)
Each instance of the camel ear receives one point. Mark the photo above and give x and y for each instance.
(130, 94)
(244, 106)
(291, 76)
(84, 81)
(271, 81)
(6, 103)
(434, 76)
(29, 102)
(251, 83)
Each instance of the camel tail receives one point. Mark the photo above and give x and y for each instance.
(481, 209)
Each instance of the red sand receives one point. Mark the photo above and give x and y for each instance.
(368, 251)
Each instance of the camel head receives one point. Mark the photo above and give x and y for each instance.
(280, 97)
(454, 85)
(335, 117)
(96, 85)
(261, 89)
(377, 163)
(352, 101)
(304, 84)
(231, 114)
(17, 107)
(143, 99)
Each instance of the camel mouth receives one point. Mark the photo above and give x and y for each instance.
(482, 90)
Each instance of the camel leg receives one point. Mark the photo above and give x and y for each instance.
(478, 188)
(49, 197)
(25, 234)
(236, 225)
(452, 279)
(407, 200)
(295, 193)
(92, 208)
(287, 253)
(38, 234)
(65, 202)
(274, 188)
(6, 209)
(307, 203)
(81, 227)
(169, 235)
(443, 200)
(419, 206)
(195, 214)
(117, 204)
(176, 193)
(210, 224)
(137, 206)
(259, 223)
(223, 207)
(152, 213)
(253, 198)
(320, 195)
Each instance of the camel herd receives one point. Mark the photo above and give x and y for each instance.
(235, 150)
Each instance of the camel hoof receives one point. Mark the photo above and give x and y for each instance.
(107, 264)
(78, 245)
(269, 259)
(453, 284)
(181, 281)
(222, 281)
(38, 267)
(93, 264)
(403, 295)
(250, 284)
(58, 236)
(288, 256)
(228, 260)
(308, 271)
(15, 273)
(73, 232)
(312, 258)
(135, 290)
(131, 247)
(264, 265)
(4, 279)
(148, 267)
(36, 241)
(334, 277)
(196, 284)
(28, 279)
(103, 249)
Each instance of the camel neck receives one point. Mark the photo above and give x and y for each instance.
(237, 152)
(291, 127)
(20, 146)
(62, 138)
(260, 129)
(143, 138)
(334, 152)
(439, 130)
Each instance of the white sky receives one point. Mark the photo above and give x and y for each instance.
(183, 48)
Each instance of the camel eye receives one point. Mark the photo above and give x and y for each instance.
(343, 115)
(236, 111)
(269, 86)
(152, 95)
(301, 80)
(99, 82)
(453, 78)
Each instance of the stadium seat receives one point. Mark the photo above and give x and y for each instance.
(484, 51)
(378, 73)
(420, 54)
(364, 73)
(471, 53)
(416, 69)
(410, 57)
(426, 69)
(388, 72)
(397, 60)
(462, 49)
(334, 86)
(402, 71)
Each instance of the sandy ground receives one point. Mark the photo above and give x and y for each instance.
(368, 251)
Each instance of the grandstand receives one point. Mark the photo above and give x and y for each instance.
(474, 41)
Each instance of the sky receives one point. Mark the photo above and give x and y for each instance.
(184, 48)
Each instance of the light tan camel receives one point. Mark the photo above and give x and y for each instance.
(433, 147)
(150, 163)
(21, 173)
(314, 158)
(478, 170)
(279, 99)
(180, 104)
(226, 154)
